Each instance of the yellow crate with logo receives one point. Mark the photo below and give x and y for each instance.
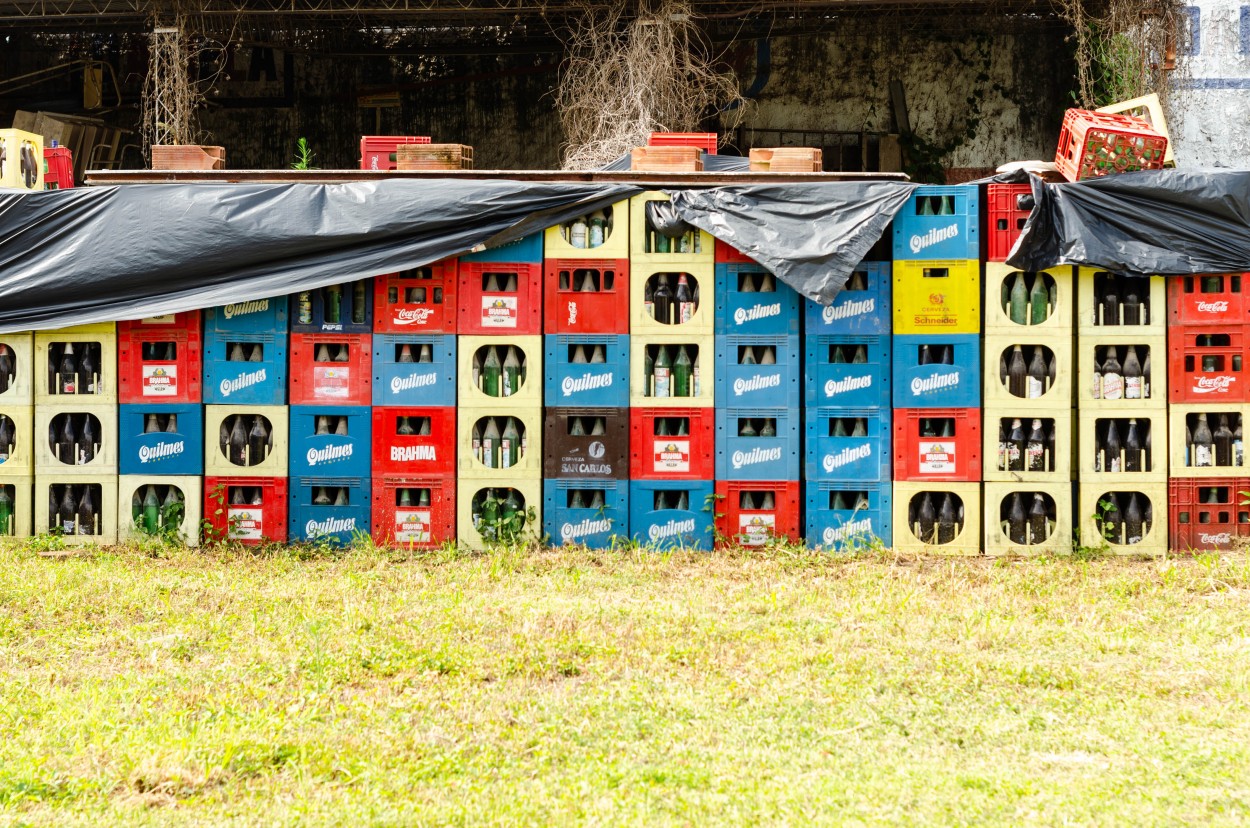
(489, 513)
(1028, 518)
(169, 507)
(21, 160)
(937, 296)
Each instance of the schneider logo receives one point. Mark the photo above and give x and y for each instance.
(586, 382)
(937, 383)
(573, 531)
(670, 529)
(329, 526)
(849, 529)
(244, 308)
(756, 383)
(160, 451)
(329, 454)
(935, 236)
(846, 456)
(743, 315)
(833, 313)
(755, 455)
(412, 381)
(835, 387)
(229, 386)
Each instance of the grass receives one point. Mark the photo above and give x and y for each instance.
(172, 687)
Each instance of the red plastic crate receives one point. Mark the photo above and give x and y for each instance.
(1094, 144)
(319, 382)
(727, 254)
(1207, 365)
(1209, 299)
(519, 311)
(422, 299)
(148, 377)
(743, 526)
(1004, 217)
(956, 458)
(1194, 523)
(377, 152)
(414, 455)
(247, 523)
(572, 311)
(705, 141)
(60, 163)
(691, 456)
(415, 526)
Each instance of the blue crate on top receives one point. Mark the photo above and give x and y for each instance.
(939, 222)
(259, 316)
(570, 519)
(228, 381)
(833, 378)
(837, 453)
(431, 383)
(161, 451)
(331, 523)
(525, 250)
(743, 307)
(655, 520)
(774, 457)
(954, 383)
(755, 385)
(856, 311)
(330, 454)
(842, 515)
(586, 384)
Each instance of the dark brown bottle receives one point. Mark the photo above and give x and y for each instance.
(1017, 374)
(1134, 521)
(1017, 445)
(1039, 530)
(1223, 439)
(1035, 449)
(1017, 524)
(1110, 452)
(1132, 448)
(947, 521)
(926, 520)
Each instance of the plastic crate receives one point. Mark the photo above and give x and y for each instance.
(101, 531)
(1097, 530)
(20, 452)
(939, 222)
(645, 247)
(500, 298)
(1095, 465)
(64, 461)
(742, 380)
(1186, 460)
(1007, 208)
(594, 384)
(147, 445)
(527, 249)
(1220, 300)
(377, 152)
(847, 516)
(414, 512)
(245, 368)
(1003, 461)
(146, 372)
(856, 310)
(672, 443)
(1095, 390)
(414, 369)
(1207, 365)
(474, 500)
(947, 375)
(754, 456)
(757, 512)
(1094, 311)
(50, 389)
(472, 353)
(1055, 352)
(20, 492)
(259, 517)
(921, 453)
(426, 455)
(655, 521)
(702, 353)
(1207, 514)
(471, 425)
(16, 386)
(1048, 535)
(218, 425)
(312, 310)
(615, 245)
(331, 369)
(319, 450)
(420, 300)
(646, 278)
(572, 516)
(919, 536)
(60, 172)
(337, 522)
(1094, 144)
(705, 141)
(572, 309)
(831, 456)
(752, 301)
(259, 316)
(728, 254)
(1056, 312)
(937, 297)
(596, 453)
(180, 521)
(834, 378)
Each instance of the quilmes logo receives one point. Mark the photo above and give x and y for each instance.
(846, 310)
(744, 315)
(329, 526)
(412, 381)
(229, 386)
(413, 316)
(1220, 306)
(834, 534)
(938, 382)
(244, 308)
(411, 454)
(1218, 537)
(935, 236)
(756, 383)
(586, 382)
(573, 531)
(1214, 385)
(329, 454)
(149, 454)
(754, 456)
(850, 454)
(843, 386)
(671, 529)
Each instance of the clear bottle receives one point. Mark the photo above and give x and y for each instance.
(1203, 454)
(1132, 375)
(1035, 449)
(1112, 376)
(1035, 383)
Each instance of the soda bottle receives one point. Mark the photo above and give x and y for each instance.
(1017, 522)
(510, 444)
(685, 302)
(663, 374)
(426, 355)
(405, 354)
(598, 356)
(1203, 444)
(1112, 376)
(662, 301)
(340, 428)
(323, 353)
(1110, 304)
(67, 445)
(926, 356)
(648, 299)
(491, 454)
(513, 375)
(1132, 309)
(1223, 443)
(358, 302)
(6, 511)
(257, 354)
(151, 425)
(1016, 447)
(490, 375)
(1132, 448)
(926, 520)
(1132, 375)
(588, 282)
(88, 445)
(1134, 522)
(1035, 449)
(151, 512)
(323, 425)
(340, 496)
(238, 496)
(67, 379)
(321, 497)
(596, 232)
(304, 303)
(67, 511)
(333, 304)
(87, 372)
(1111, 449)
(1035, 384)
(342, 353)
(1039, 301)
(172, 508)
(681, 373)
(404, 427)
(87, 513)
(511, 516)
(579, 233)
(257, 442)
(769, 428)
(947, 521)
(579, 356)
(1018, 302)
(746, 428)
(7, 438)
(1237, 451)
(576, 427)
(1039, 524)
(1017, 373)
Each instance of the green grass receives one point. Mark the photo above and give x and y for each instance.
(173, 687)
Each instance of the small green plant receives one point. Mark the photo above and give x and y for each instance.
(303, 156)
(45, 542)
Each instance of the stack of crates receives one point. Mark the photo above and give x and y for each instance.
(160, 364)
(246, 420)
(937, 372)
(17, 433)
(499, 357)
(672, 385)
(74, 438)
(1209, 391)
(1122, 403)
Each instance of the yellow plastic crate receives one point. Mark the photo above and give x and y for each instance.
(217, 464)
(192, 489)
(106, 386)
(997, 501)
(19, 389)
(999, 280)
(529, 423)
(531, 391)
(967, 540)
(937, 297)
(104, 499)
(1089, 423)
(615, 245)
(529, 491)
(23, 165)
(105, 460)
(1000, 347)
(1089, 318)
(995, 467)
(1091, 349)
(21, 490)
(642, 323)
(1154, 540)
(642, 239)
(21, 462)
(1182, 456)
(639, 390)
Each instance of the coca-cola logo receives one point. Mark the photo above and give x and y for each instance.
(1211, 539)
(413, 316)
(1212, 385)
(1220, 306)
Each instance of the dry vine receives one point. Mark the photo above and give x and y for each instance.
(172, 93)
(1124, 48)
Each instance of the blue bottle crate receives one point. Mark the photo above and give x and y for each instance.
(334, 524)
(314, 319)
(261, 316)
(860, 312)
(754, 312)
(866, 458)
(597, 528)
(852, 525)
(589, 385)
(755, 385)
(953, 384)
(331, 455)
(951, 236)
(245, 383)
(661, 524)
(526, 250)
(178, 452)
(757, 458)
(414, 383)
(831, 379)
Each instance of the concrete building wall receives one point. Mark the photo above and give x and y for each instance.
(1210, 102)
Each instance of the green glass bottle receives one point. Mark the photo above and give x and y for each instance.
(1039, 301)
(491, 368)
(1018, 309)
(151, 511)
(681, 373)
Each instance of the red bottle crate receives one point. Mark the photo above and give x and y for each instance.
(1209, 299)
(956, 458)
(414, 526)
(317, 382)
(689, 456)
(247, 523)
(145, 376)
(1005, 215)
(414, 455)
(1205, 364)
(739, 524)
(60, 163)
(569, 310)
(1194, 522)
(705, 141)
(1094, 144)
(422, 300)
(518, 311)
(377, 152)
(728, 254)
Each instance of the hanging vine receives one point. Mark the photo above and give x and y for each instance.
(1124, 48)
(174, 90)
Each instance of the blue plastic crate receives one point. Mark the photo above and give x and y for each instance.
(331, 454)
(335, 524)
(955, 383)
(659, 523)
(309, 316)
(430, 383)
(755, 385)
(838, 520)
(955, 235)
(757, 458)
(865, 458)
(526, 250)
(261, 316)
(178, 452)
(773, 312)
(229, 382)
(863, 311)
(588, 385)
(596, 527)
(832, 378)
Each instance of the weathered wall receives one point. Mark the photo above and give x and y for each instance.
(1210, 106)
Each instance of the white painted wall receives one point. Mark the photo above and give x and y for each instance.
(1209, 116)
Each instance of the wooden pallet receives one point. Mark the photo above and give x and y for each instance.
(187, 157)
(666, 159)
(786, 159)
(433, 157)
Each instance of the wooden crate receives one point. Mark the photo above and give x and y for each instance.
(787, 159)
(433, 157)
(187, 157)
(666, 159)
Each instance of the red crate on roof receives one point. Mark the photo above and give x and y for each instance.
(160, 359)
(500, 298)
(1007, 208)
(1094, 144)
(1209, 300)
(60, 164)
(1207, 513)
(377, 152)
(705, 141)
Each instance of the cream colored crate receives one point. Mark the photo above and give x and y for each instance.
(216, 464)
(1089, 320)
(1087, 446)
(995, 390)
(1180, 454)
(106, 506)
(466, 490)
(997, 318)
(106, 385)
(1087, 348)
(998, 540)
(641, 239)
(20, 388)
(1065, 432)
(21, 462)
(105, 460)
(702, 322)
(615, 244)
(531, 391)
(193, 501)
(530, 464)
(966, 542)
(22, 491)
(638, 396)
(1154, 540)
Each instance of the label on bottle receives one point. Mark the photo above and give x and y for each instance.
(755, 530)
(1008, 454)
(160, 380)
(1131, 539)
(577, 235)
(938, 457)
(488, 452)
(685, 312)
(505, 453)
(1237, 453)
(332, 382)
(663, 382)
(69, 386)
(67, 527)
(1095, 390)
(670, 455)
(1033, 388)
(499, 311)
(245, 522)
(413, 525)
(1035, 456)
(695, 389)
(1203, 456)
(1112, 387)
(1132, 388)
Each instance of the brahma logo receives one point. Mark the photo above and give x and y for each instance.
(412, 382)
(244, 308)
(755, 455)
(586, 382)
(329, 526)
(850, 529)
(744, 315)
(1214, 385)
(573, 531)
(329, 454)
(759, 382)
(413, 316)
(411, 454)
(160, 451)
(934, 236)
(846, 310)
(850, 454)
(229, 386)
(670, 529)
